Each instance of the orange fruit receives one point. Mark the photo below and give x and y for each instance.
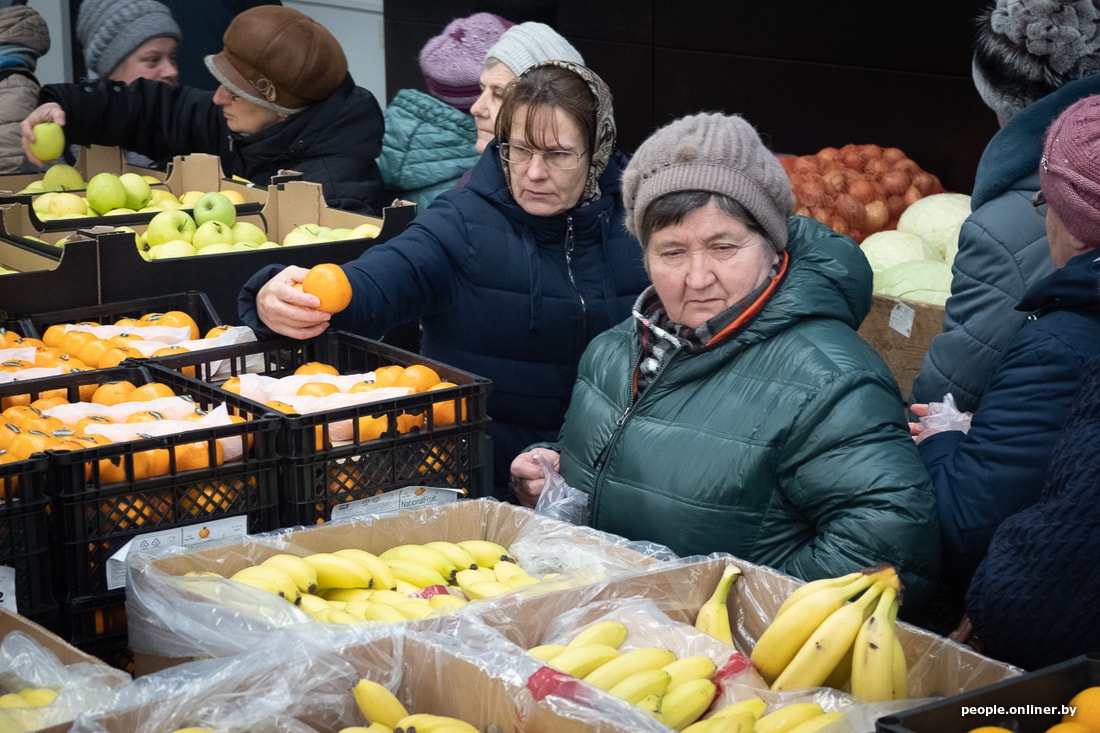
(1071, 727)
(387, 376)
(144, 416)
(17, 414)
(125, 339)
(157, 461)
(407, 423)
(1086, 704)
(115, 356)
(91, 352)
(371, 428)
(8, 432)
(172, 319)
(45, 423)
(281, 407)
(29, 442)
(25, 341)
(74, 340)
(15, 365)
(329, 283)
(190, 456)
(8, 336)
(218, 331)
(990, 729)
(18, 399)
(419, 377)
(151, 391)
(443, 413)
(81, 425)
(362, 387)
(47, 356)
(317, 389)
(113, 393)
(46, 401)
(317, 367)
(172, 351)
(233, 384)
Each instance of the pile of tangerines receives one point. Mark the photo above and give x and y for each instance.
(1085, 717)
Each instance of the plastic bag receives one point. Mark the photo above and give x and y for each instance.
(944, 416)
(558, 499)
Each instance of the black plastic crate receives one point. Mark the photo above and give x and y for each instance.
(96, 626)
(91, 519)
(1030, 703)
(21, 326)
(194, 303)
(24, 544)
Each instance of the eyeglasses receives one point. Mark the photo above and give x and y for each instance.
(563, 160)
(1039, 202)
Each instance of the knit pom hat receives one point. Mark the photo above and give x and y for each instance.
(279, 58)
(452, 61)
(710, 152)
(529, 44)
(110, 30)
(1068, 171)
(1026, 49)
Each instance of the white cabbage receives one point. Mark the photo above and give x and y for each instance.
(890, 247)
(937, 218)
(927, 281)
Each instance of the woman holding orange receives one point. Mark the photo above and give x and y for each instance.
(511, 276)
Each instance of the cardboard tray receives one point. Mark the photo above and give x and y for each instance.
(901, 332)
(61, 278)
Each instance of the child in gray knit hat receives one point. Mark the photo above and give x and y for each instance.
(127, 39)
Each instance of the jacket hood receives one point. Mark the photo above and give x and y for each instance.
(1073, 287)
(426, 142)
(23, 27)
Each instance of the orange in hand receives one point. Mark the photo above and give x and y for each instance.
(329, 283)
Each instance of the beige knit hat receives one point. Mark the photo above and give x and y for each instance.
(710, 152)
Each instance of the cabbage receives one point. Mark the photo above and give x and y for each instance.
(890, 247)
(928, 281)
(937, 219)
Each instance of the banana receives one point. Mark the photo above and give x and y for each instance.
(415, 608)
(690, 668)
(754, 705)
(372, 611)
(430, 723)
(650, 703)
(546, 652)
(311, 603)
(415, 573)
(787, 717)
(464, 578)
(347, 595)
(372, 728)
(512, 575)
(829, 643)
(270, 579)
(714, 617)
(635, 687)
(459, 556)
(421, 555)
(485, 552)
(579, 661)
(446, 600)
(786, 634)
(37, 697)
(377, 703)
(381, 577)
(612, 633)
(684, 705)
(341, 616)
(608, 675)
(901, 671)
(485, 589)
(301, 572)
(740, 723)
(815, 724)
(813, 586)
(873, 652)
(336, 571)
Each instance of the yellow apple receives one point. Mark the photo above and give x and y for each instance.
(49, 141)
(366, 230)
(62, 177)
(233, 195)
(65, 203)
(188, 198)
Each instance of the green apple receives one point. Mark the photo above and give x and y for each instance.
(366, 230)
(217, 248)
(162, 195)
(119, 212)
(211, 232)
(49, 141)
(340, 233)
(105, 192)
(269, 245)
(138, 192)
(215, 206)
(62, 177)
(301, 234)
(34, 187)
(246, 231)
(68, 204)
(170, 225)
(172, 248)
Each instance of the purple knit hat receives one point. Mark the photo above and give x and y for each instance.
(452, 61)
(1069, 172)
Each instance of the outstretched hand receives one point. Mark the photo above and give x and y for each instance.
(528, 479)
(48, 112)
(287, 310)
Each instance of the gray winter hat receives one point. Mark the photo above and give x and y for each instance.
(710, 152)
(529, 44)
(110, 30)
(1025, 49)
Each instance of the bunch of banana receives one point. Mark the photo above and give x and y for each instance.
(879, 671)
(747, 716)
(23, 711)
(812, 639)
(386, 714)
(714, 618)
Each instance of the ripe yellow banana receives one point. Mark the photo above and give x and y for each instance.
(828, 644)
(754, 705)
(546, 652)
(311, 603)
(347, 595)
(579, 661)
(270, 579)
(414, 608)
(636, 660)
(486, 553)
(381, 577)
(377, 703)
(639, 685)
(740, 723)
(690, 668)
(512, 575)
(341, 616)
(873, 652)
(714, 617)
(415, 573)
(372, 728)
(303, 574)
(194, 729)
(367, 610)
(815, 724)
(612, 633)
(786, 634)
(787, 717)
(901, 671)
(421, 555)
(650, 703)
(336, 571)
(485, 589)
(460, 557)
(446, 600)
(430, 723)
(465, 578)
(684, 705)
(37, 697)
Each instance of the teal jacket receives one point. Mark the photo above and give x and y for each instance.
(786, 445)
(426, 148)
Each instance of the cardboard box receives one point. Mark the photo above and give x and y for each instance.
(67, 279)
(65, 653)
(901, 332)
(91, 160)
(170, 622)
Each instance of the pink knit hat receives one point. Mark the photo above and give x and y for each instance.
(452, 61)
(1069, 171)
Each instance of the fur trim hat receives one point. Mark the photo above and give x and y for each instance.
(1068, 173)
(710, 152)
(452, 61)
(530, 44)
(110, 30)
(1026, 49)
(279, 58)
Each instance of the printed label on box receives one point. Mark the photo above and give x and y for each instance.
(7, 589)
(194, 534)
(901, 319)
(392, 502)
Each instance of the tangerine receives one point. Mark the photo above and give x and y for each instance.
(81, 425)
(191, 456)
(115, 356)
(317, 367)
(45, 401)
(8, 336)
(443, 413)
(1071, 727)
(151, 391)
(144, 416)
(15, 365)
(387, 376)
(407, 423)
(418, 376)
(317, 389)
(330, 284)
(92, 352)
(172, 351)
(233, 384)
(29, 442)
(113, 393)
(16, 414)
(172, 319)
(74, 340)
(371, 428)
(218, 331)
(281, 407)
(1086, 705)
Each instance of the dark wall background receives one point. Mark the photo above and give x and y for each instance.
(807, 74)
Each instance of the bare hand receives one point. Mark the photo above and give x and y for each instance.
(916, 428)
(528, 480)
(48, 112)
(287, 310)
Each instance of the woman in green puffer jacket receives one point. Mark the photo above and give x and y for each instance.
(738, 410)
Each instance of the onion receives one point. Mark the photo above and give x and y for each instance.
(850, 209)
(893, 155)
(853, 159)
(828, 154)
(894, 182)
(812, 190)
(805, 164)
(926, 183)
(895, 205)
(876, 167)
(870, 151)
(876, 215)
(863, 190)
(838, 224)
(911, 195)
